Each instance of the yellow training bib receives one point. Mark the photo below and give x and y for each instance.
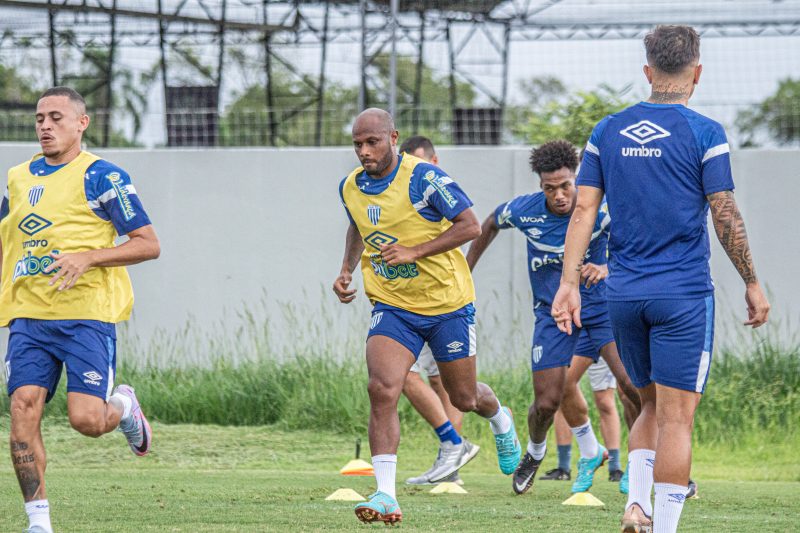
(51, 214)
(433, 285)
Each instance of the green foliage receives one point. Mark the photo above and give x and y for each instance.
(748, 393)
(778, 116)
(552, 113)
(246, 121)
(18, 96)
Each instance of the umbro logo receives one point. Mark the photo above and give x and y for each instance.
(650, 462)
(644, 131)
(454, 347)
(92, 378)
(676, 497)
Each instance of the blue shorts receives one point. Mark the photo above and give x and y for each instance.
(551, 348)
(37, 349)
(450, 336)
(666, 341)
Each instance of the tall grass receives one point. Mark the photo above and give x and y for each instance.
(757, 393)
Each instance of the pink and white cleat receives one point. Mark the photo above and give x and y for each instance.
(136, 429)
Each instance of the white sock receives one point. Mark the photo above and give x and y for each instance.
(587, 442)
(127, 405)
(385, 472)
(39, 514)
(500, 422)
(668, 507)
(640, 479)
(537, 449)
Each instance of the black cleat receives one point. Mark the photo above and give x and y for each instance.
(692, 492)
(615, 475)
(525, 472)
(557, 474)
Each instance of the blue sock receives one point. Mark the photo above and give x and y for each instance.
(565, 457)
(447, 432)
(613, 460)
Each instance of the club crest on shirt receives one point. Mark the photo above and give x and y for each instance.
(35, 194)
(374, 214)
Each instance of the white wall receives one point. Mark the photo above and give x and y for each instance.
(237, 222)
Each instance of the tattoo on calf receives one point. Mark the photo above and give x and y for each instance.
(25, 466)
(732, 234)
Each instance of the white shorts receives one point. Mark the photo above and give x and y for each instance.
(425, 362)
(600, 376)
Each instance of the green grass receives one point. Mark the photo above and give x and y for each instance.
(211, 478)
(757, 390)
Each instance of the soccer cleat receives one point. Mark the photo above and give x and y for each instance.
(453, 478)
(557, 474)
(508, 447)
(635, 521)
(525, 473)
(451, 458)
(36, 529)
(615, 476)
(623, 483)
(692, 492)
(586, 469)
(136, 429)
(380, 507)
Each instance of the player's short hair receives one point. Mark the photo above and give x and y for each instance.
(670, 49)
(412, 144)
(554, 155)
(74, 96)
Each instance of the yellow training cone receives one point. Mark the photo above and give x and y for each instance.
(447, 488)
(346, 495)
(357, 467)
(583, 498)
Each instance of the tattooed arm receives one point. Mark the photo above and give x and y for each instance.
(731, 232)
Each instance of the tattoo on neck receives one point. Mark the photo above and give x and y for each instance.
(669, 92)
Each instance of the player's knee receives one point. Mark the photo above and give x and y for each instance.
(464, 402)
(381, 391)
(546, 406)
(88, 423)
(24, 405)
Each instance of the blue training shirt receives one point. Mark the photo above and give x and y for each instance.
(102, 195)
(657, 163)
(546, 233)
(429, 201)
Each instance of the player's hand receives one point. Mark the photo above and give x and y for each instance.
(344, 294)
(757, 305)
(592, 274)
(566, 307)
(396, 254)
(68, 268)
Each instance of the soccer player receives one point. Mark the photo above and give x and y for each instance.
(64, 286)
(660, 166)
(433, 402)
(543, 217)
(407, 220)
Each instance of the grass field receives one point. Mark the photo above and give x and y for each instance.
(212, 478)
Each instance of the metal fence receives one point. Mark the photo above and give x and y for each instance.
(277, 73)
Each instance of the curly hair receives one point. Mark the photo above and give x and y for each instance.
(554, 155)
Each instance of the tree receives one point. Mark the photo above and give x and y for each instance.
(18, 101)
(246, 122)
(778, 116)
(553, 113)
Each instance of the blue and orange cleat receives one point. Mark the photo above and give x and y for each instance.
(587, 468)
(380, 507)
